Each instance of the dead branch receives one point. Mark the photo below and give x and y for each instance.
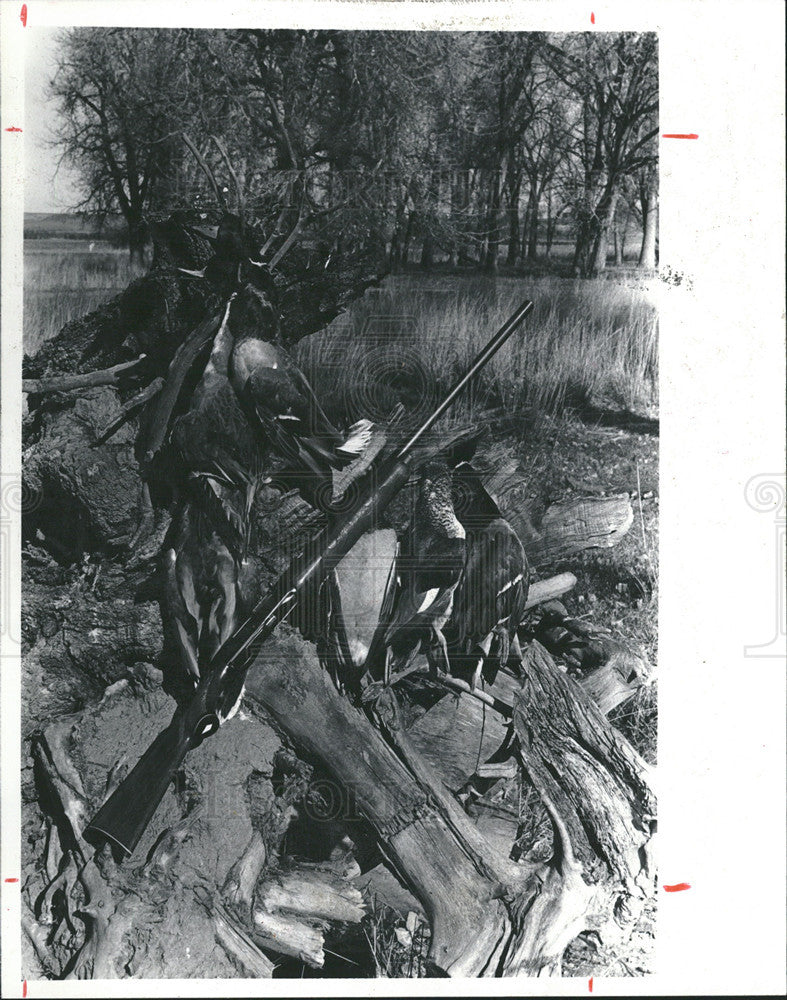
(548, 590)
(207, 172)
(64, 383)
(239, 945)
(129, 409)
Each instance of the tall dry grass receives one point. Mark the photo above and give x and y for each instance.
(586, 342)
(63, 280)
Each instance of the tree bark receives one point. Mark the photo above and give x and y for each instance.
(534, 199)
(604, 216)
(550, 234)
(137, 239)
(490, 258)
(64, 383)
(513, 223)
(650, 210)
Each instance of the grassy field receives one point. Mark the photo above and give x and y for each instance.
(586, 342)
(64, 279)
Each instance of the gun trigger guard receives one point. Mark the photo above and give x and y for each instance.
(206, 727)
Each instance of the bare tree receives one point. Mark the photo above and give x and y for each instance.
(123, 97)
(615, 84)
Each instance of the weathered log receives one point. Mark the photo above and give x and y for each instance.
(595, 778)
(489, 916)
(65, 383)
(562, 529)
(572, 526)
(455, 884)
(617, 680)
(293, 908)
(84, 496)
(618, 668)
(542, 591)
(242, 878)
(457, 733)
(129, 409)
(239, 945)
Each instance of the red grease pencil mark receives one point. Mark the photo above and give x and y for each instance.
(13, 128)
(10, 879)
(590, 985)
(678, 887)
(24, 988)
(592, 21)
(23, 15)
(679, 135)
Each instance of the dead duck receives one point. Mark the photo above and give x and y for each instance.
(427, 572)
(218, 467)
(278, 399)
(490, 599)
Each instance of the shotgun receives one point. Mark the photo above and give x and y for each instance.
(122, 819)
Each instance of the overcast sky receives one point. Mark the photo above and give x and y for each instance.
(47, 189)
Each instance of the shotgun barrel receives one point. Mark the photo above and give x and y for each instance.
(123, 818)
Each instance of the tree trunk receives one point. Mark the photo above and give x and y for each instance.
(650, 210)
(550, 235)
(490, 260)
(395, 255)
(513, 223)
(455, 217)
(532, 237)
(618, 238)
(604, 215)
(586, 232)
(137, 233)
(427, 252)
(467, 220)
(408, 235)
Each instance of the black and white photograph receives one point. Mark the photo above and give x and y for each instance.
(339, 509)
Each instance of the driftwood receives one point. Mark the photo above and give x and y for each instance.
(550, 589)
(617, 668)
(596, 780)
(489, 916)
(568, 527)
(130, 409)
(586, 522)
(64, 383)
(617, 680)
(562, 529)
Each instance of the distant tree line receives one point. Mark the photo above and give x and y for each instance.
(472, 148)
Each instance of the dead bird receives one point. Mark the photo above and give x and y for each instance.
(354, 598)
(280, 402)
(277, 399)
(490, 600)
(428, 570)
(218, 466)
